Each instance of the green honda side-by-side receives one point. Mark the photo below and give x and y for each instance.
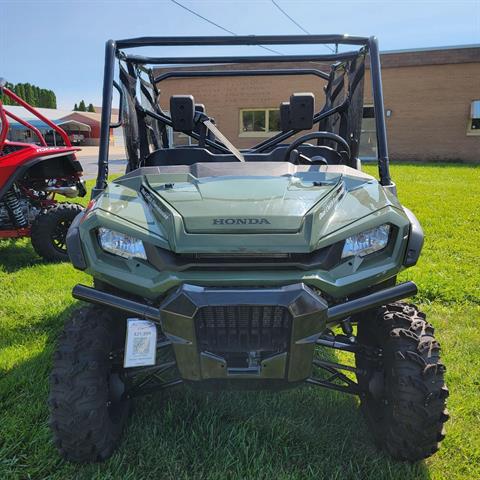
(220, 268)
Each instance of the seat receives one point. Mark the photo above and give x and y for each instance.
(190, 156)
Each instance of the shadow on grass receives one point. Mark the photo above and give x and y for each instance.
(17, 254)
(182, 433)
(25, 441)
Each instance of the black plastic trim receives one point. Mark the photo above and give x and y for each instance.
(415, 240)
(299, 298)
(74, 244)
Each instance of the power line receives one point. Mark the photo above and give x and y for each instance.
(219, 26)
(290, 18)
(296, 23)
(203, 18)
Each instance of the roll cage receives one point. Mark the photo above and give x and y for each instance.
(145, 126)
(4, 124)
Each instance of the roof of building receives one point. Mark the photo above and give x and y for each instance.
(433, 49)
(454, 54)
(99, 110)
(83, 127)
(90, 115)
(50, 113)
(35, 122)
(96, 117)
(57, 116)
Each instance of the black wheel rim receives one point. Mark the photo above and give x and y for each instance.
(59, 236)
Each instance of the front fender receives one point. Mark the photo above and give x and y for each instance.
(415, 240)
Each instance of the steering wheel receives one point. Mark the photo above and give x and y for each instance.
(320, 135)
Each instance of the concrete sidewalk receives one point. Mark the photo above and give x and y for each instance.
(88, 157)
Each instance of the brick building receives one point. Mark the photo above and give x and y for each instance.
(432, 103)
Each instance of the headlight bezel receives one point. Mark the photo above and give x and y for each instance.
(352, 245)
(120, 244)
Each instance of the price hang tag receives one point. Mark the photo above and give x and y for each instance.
(140, 344)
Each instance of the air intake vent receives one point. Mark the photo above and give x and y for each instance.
(243, 328)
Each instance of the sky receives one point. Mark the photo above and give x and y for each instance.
(59, 44)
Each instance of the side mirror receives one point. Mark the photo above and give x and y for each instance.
(302, 108)
(200, 107)
(182, 112)
(298, 113)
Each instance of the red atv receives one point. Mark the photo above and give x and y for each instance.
(31, 176)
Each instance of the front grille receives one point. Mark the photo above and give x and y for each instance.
(243, 328)
(241, 256)
(322, 259)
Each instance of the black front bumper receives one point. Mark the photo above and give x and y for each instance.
(260, 333)
(245, 334)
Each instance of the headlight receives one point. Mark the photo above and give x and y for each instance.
(366, 242)
(120, 244)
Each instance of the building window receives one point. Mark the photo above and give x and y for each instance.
(473, 127)
(259, 122)
(368, 136)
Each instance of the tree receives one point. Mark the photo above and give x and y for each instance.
(36, 96)
(45, 96)
(91, 108)
(32, 94)
(75, 108)
(52, 99)
(42, 97)
(20, 90)
(29, 98)
(81, 106)
(6, 100)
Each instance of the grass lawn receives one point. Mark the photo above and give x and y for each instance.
(303, 433)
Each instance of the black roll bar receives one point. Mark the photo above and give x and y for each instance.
(239, 73)
(241, 40)
(140, 59)
(119, 122)
(112, 50)
(108, 73)
(376, 74)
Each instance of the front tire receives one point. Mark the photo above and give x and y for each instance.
(405, 397)
(88, 408)
(49, 231)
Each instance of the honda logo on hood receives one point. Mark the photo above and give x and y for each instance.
(240, 221)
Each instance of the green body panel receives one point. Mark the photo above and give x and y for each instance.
(299, 212)
(305, 211)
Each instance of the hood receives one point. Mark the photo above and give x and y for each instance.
(239, 204)
(244, 207)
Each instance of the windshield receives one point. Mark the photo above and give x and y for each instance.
(148, 90)
(149, 125)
